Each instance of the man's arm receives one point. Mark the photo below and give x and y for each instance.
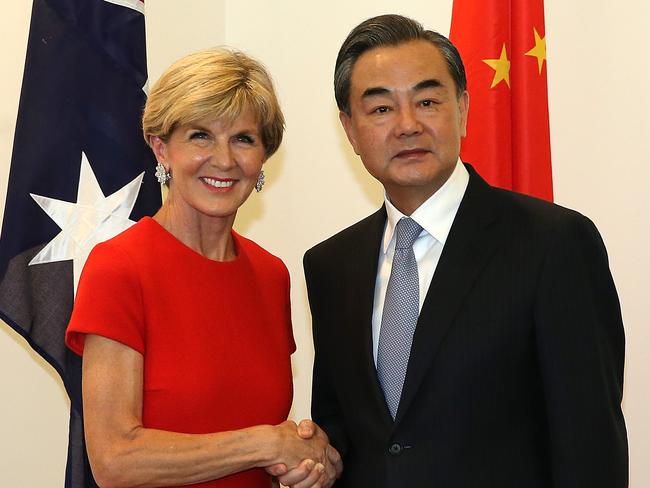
(324, 403)
(325, 406)
(581, 349)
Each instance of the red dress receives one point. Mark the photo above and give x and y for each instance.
(215, 336)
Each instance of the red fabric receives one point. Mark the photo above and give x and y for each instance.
(508, 138)
(215, 336)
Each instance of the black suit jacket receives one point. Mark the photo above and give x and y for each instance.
(516, 371)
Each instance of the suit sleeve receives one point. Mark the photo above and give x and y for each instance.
(324, 403)
(581, 348)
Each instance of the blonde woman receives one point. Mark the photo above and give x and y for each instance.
(183, 324)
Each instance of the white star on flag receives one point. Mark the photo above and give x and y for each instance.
(92, 219)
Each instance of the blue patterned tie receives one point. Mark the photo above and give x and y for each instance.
(400, 315)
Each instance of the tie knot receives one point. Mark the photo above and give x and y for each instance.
(407, 230)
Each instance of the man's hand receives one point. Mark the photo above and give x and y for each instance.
(310, 473)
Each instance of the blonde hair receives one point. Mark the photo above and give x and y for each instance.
(211, 84)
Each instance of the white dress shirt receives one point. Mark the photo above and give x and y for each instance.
(435, 216)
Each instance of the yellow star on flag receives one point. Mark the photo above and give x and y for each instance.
(501, 67)
(539, 51)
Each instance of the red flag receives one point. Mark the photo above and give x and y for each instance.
(503, 46)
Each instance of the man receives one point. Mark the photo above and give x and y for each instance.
(465, 336)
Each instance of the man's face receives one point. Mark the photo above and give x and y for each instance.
(406, 120)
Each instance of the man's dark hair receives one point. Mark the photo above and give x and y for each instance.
(390, 30)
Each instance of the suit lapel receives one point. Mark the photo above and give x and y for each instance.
(362, 274)
(472, 240)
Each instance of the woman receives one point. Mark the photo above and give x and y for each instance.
(184, 325)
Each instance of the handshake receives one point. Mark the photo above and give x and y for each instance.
(307, 460)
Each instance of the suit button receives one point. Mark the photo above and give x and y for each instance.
(395, 449)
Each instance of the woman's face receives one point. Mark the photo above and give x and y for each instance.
(214, 165)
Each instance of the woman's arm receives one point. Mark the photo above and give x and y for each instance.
(124, 453)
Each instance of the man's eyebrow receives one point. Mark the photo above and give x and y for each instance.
(430, 83)
(375, 91)
(422, 85)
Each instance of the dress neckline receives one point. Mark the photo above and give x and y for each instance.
(185, 249)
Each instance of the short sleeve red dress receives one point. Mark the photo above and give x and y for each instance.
(215, 336)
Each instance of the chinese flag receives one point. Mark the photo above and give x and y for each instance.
(503, 46)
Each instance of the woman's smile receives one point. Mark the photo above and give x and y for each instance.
(219, 184)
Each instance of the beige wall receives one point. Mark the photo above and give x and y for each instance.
(598, 78)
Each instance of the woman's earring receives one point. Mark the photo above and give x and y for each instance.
(260, 182)
(162, 175)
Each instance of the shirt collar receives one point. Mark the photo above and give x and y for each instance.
(437, 213)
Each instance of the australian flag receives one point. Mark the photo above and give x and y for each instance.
(80, 173)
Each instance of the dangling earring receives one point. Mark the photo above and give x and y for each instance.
(162, 175)
(260, 182)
